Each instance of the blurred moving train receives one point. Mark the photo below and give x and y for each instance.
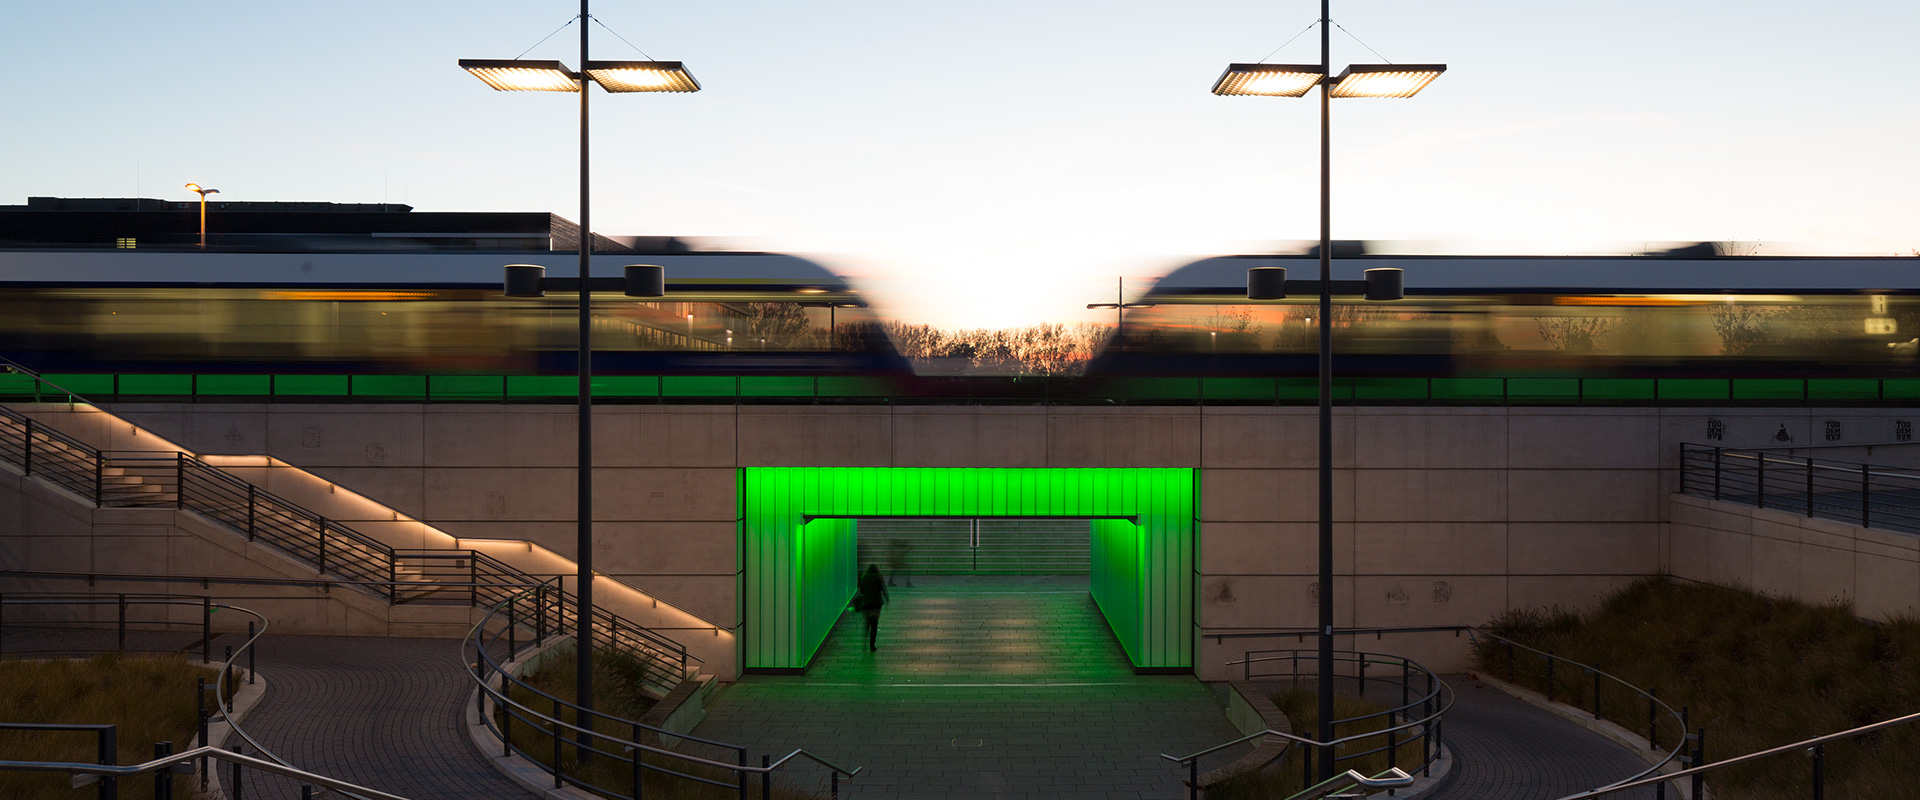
(443, 311)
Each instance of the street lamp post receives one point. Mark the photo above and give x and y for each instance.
(1119, 306)
(1295, 80)
(203, 210)
(613, 76)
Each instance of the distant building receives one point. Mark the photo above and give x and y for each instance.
(148, 223)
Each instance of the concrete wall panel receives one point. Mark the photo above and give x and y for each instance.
(969, 437)
(843, 437)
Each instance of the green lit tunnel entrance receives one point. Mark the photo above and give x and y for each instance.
(803, 529)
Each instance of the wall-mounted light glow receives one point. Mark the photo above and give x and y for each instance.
(514, 75)
(1385, 80)
(642, 76)
(1267, 80)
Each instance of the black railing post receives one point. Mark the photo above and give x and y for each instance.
(393, 578)
(513, 644)
(558, 737)
(321, 523)
(1716, 473)
(1819, 772)
(251, 502)
(505, 711)
(1699, 759)
(306, 791)
(766, 778)
(743, 773)
(833, 784)
(1596, 691)
(122, 628)
(1809, 486)
(206, 630)
(1393, 743)
(226, 668)
(200, 699)
(1653, 722)
(1866, 492)
(236, 791)
(99, 469)
(163, 778)
(109, 756)
(540, 616)
(26, 448)
(1193, 779)
(179, 480)
(473, 579)
(252, 648)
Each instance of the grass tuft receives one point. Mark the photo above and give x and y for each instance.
(150, 699)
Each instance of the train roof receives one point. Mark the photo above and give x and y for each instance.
(1652, 274)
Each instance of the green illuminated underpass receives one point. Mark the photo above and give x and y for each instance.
(799, 545)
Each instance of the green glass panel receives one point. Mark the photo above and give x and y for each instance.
(1769, 389)
(310, 385)
(1297, 388)
(698, 386)
(79, 383)
(1237, 388)
(543, 386)
(1694, 389)
(621, 386)
(1489, 389)
(775, 386)
(1390, 388)
(1617, 389)
(1900, 389)
(467, 387)
(156, 384)
(1547, 389)
(17, 385)
(233, 385)
(1843, 389)
(405, 387)
(1157, 388)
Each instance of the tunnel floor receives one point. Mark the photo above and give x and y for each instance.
(1007, 687)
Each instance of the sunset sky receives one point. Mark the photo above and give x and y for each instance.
(1001, 162)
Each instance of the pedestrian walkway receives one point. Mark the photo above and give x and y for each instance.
(982, 687)
(1506, 749)
(383, 713)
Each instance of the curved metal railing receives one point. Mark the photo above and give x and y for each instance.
(1419, 717)
(1815, 747)
(223, 685)
(1551, 684)
(501, 714)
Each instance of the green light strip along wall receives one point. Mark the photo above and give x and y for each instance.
(799, 576)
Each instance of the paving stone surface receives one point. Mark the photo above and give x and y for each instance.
(383, 713)
(1506, 749)
(1003, 688)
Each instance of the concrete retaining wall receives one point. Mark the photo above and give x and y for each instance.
(1792, 555)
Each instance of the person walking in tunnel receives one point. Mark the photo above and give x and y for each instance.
(871, 597)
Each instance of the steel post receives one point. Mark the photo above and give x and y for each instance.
(163, 779)
(109, 742)
(1819, 772)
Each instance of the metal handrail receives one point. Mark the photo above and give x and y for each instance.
(1677, 716)
(1816, 487)
(204, 751)
(367, 556)
(1439, 697)
(1803, 745)
(12, 366)
(485, 665)
(220, 693)
(1393, 778)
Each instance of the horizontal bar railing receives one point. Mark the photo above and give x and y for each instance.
(1340, 785)
(331, 548)
(224, 685)
(1419, 717)
(501, 715)
(1868, 495)
(1814, 747)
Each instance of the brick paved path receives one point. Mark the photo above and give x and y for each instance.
(1505, 749)
(383, 713)
(1004, 688)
